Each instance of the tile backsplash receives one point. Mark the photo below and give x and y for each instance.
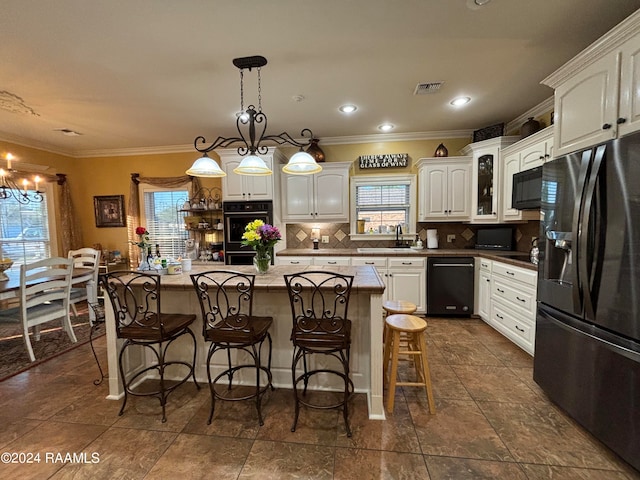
(298, 236)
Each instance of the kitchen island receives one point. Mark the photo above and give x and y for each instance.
(271, 299)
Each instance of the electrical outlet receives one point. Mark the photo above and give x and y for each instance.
(325, 238)
(451, 238)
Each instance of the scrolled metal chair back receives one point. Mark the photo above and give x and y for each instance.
(226, 299)
(135, 298)
(319, 301)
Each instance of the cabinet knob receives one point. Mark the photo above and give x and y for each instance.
(621, 120)
(546, 155)
(606, 126)
(519, 329)
(541, 157)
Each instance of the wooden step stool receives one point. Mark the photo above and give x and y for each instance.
(414, 328)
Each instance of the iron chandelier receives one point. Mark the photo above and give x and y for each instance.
(252, 125)
(9, 188)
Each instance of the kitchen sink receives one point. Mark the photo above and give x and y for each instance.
(387, 250)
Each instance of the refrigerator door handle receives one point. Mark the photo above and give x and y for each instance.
(577, 231)
(587, 259)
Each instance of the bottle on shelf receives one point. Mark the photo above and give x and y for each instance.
(158, 250)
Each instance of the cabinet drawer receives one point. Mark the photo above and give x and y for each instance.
(521, 297)
(379, 262)
(406, 262)
(331, 261)
(294, 260)
(522, 331)
(484, 264)
(529, 277)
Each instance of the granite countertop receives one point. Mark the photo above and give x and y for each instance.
(518, 259)
(366, 278)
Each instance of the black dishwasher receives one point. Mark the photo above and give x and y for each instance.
(450, 285)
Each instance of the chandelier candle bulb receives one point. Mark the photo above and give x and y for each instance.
(37, 181)
(9, 158)
(25, 182)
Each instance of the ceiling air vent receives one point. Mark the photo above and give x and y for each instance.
(429, 87)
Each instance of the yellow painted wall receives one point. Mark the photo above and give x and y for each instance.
(112, 175)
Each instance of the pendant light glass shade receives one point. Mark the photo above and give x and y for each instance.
(252, 165)
(301, 163)
(205, 167)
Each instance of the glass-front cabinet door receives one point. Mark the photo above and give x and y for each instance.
(485, 185)
(485, 199)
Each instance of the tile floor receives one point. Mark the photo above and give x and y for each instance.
(492, 422)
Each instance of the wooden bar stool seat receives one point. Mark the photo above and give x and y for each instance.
(392, 307)
(414, 328)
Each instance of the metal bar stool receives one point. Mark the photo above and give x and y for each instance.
(319, 305)
(135, 298)
(226, 302)
(414, 327)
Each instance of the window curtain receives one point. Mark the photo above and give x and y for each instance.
(133, 212)
(70, 233)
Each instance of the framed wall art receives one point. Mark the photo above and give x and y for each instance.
(109, 210)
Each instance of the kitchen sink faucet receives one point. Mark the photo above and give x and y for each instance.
(398, 233)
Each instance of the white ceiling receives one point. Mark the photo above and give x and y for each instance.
(157, 73)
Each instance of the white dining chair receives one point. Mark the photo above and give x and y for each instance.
(84, 287)
(44, 296)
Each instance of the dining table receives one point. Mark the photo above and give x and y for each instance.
(10, 289)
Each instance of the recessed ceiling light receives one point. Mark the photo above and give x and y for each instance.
(459, 101)
(385, 127)
(348, 108)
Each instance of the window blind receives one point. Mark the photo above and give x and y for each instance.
(24, 230)
(164, 227)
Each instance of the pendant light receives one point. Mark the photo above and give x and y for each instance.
(247, 123)
(205, 166)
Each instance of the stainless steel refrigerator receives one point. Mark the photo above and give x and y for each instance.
(587, 351)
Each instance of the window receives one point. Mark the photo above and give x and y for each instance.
(25, 232)
(162, 222)
(383, 203)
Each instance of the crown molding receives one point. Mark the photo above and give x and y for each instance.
(397, 137)
(23, 142)
(383, 137)
(536, 111)
(604, 45)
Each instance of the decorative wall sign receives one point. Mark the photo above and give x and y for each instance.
(389, 160)
(109, 210)
(488, 132)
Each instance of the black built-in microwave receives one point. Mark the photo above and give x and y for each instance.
(527, 189)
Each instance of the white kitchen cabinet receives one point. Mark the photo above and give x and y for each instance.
(444, 189)
(342, 261)
(512, 303)
(282, 260)
(485, 181)
(483, 305)
(597, 93)
(530, 152)
(312, 260)
(405, 278)
(322, 196)
(247, 187)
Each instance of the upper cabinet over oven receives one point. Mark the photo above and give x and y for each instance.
(597, 93)
(321, 197)
(247, 187)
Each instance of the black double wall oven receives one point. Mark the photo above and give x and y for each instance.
(236, 216)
